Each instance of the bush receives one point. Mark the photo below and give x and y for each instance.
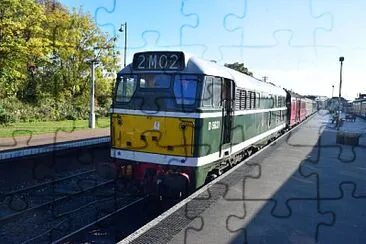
(5, 117)
(12, 110)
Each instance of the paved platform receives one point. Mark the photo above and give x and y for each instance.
(10, 143)
(304, 188)
(22, 146)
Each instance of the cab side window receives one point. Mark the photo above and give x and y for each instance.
(216, 92)
(211, 94)
(207, 92)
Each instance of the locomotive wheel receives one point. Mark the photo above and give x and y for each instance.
(174, 186)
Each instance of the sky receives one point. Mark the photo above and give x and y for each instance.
(295, 43)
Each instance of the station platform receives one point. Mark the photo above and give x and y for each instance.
(30, 140)
(303, 188)
(30, 145)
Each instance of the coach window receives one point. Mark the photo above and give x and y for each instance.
(126, 88)
(263, 100)
(254, 99)
(272, 103)
(185, 87)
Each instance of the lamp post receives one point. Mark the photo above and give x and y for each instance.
(93, 62)
(341, 59)
(123, 28)
(332, 90)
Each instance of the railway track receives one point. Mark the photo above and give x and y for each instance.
(99, 220)
(58, 207)
(18, 202)
(78, 220)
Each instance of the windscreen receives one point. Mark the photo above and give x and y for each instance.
(157, 91)
(155, 80)
(126, 87)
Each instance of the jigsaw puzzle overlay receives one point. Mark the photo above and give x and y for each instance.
(312, 204)
(232, 31)
(285, 204)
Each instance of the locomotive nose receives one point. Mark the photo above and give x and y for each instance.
(152, 134)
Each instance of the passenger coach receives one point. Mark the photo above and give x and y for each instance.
(178, 120)
(359, 107)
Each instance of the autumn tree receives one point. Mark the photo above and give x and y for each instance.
(44, 49)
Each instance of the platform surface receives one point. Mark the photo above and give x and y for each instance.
(30, 140)
(304, 188)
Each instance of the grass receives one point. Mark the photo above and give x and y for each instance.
(23, 128)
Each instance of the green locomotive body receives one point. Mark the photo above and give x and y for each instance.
(178, 121)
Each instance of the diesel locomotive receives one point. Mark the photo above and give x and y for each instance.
(178, 121)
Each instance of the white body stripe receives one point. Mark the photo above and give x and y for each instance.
(190, 115)
(187, 161)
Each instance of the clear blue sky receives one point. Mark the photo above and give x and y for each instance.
(295, 43)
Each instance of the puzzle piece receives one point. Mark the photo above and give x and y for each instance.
(150, 36)
(211, 25)
(344, 12)
(304, 223)
(301, 226)
(350, 212)
(292, 201)
(296, 187)
(16, 141)
(47, 170)
(284, 16)
(337, 164)
(259, 232)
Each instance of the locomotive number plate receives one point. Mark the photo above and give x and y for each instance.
(158, 61)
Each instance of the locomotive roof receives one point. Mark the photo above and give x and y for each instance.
(196, 65)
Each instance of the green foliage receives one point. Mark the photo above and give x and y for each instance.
(239, 67)
(44, 73)
(5, 117)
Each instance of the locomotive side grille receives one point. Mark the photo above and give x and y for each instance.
(237, 99)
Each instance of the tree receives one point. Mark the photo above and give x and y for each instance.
(43, 52)
(239, 67)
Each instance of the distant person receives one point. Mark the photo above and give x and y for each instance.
(334, 117)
